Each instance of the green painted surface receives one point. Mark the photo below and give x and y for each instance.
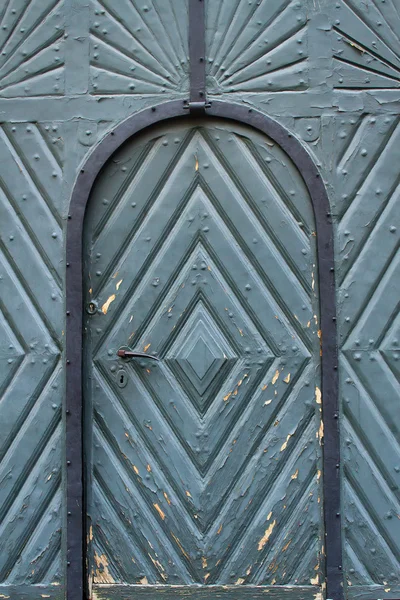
(206, 466)
(346, 112)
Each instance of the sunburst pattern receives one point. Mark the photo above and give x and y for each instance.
(367, 44)
(139, 48)
(31, 48)
(256, 46)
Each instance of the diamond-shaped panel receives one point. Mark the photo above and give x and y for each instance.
(201, 357)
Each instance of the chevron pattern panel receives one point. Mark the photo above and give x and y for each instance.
(256, 46)
(368, 185)
(206, 466)
(31, 48)
(31, 384)
(366, 44)
(139, 48)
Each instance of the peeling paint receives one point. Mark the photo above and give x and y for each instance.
(275, 377)
(181, 548)
(159, 510)
(318, 398)
(147, 346)
(266, 536)
(295, 474)
(102, 574)
(106, 304)
(287, 378)
(284, 445)
(118, 284)
(320, 432)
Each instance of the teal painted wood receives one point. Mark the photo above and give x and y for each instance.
(119, 592)
(139, 48)
(32, 41)
(200, 249)
(31, 382)
(367, 181)
(349, 99)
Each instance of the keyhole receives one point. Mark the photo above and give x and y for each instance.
(91, 308)
(122, 378)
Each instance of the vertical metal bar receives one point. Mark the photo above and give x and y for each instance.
(197, 52)
(74, 444)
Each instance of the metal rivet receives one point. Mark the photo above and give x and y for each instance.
(68, 362)
(68, 411)
(68, 313)
(82, 170)
(69, 217)
(68, 264)
(68, 462)
(69, 513)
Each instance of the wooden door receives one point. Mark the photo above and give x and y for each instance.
(204, 466)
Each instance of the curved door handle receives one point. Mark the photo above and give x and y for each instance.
(126, 352)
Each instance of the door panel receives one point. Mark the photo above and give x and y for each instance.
(204, 467)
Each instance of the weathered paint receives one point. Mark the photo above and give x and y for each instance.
(347, 104)
(217, 266)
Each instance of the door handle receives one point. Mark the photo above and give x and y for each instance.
(126, 352)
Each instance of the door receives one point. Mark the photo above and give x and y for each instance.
(204, 466)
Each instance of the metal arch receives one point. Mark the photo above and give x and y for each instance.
(74, 286)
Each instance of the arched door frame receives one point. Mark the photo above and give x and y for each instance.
(75, 528)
